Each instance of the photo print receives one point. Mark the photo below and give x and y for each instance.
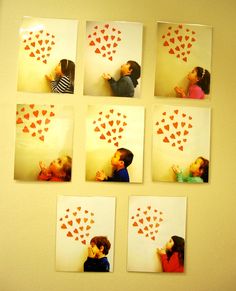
(180, 144)
(114, 143)
(43, 144)
(47, 55)
(156, 234)
(113, 59)
(183, 62)
(85, 234)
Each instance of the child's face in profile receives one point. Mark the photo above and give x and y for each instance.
(195, 167)
(56, 166)
(192, 76)
(95, 250)
(169, 244)
(125, 69)
(115, 160)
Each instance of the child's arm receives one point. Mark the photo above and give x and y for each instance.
(179, 175)
(180, 91)
(60, 86)
(91, 253)
(106, 76)
(170, 265)
(123, 87)
(101, 176)
(45, 173)
(49, 78)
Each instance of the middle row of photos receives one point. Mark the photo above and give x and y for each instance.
(114, 143)
(113, 58)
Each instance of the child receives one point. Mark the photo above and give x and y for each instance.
(198, 172)
(58, 171)
(64, 81)
(172, 255)
(124, 87)
(120, 161)
(97, 260)
(199, 84)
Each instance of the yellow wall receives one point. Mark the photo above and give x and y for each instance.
(28, 212)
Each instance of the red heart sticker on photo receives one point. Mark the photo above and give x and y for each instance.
(103, 39)
(34, 120)
(77, 223)
(174, 129)
(36, 42)
(146, 222)
(110, 126)
(178, 40)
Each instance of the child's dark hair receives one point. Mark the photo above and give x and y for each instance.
(67, 168)
(101, 241)
(126, 156)
(204, 168)
(136, 72)
(204, 79)
(177, 247)
(68, 69)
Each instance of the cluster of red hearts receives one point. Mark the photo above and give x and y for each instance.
(110, 126)
(76, 223)
(34, 120)
(174, 128)
(39, 45)
(147, 221)
(105, 40)
(179, 41)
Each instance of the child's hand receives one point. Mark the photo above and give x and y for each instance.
(180, 91)
(90, 252)
(106, 76)
(176, 169)
(161, 251)
(42, 165)
(101, 176)
(49, 77)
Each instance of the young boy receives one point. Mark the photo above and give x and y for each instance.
(120, 161)
(124, 87)
(97, 251)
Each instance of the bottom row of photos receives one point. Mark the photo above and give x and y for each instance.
(85, 234)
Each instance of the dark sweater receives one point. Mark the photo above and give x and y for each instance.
(124, 87)
(96, 265)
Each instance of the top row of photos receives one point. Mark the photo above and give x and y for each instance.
(113, 58)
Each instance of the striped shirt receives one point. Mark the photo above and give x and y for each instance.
(62, 85)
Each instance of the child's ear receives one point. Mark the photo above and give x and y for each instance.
(122, 163)
(101, 248)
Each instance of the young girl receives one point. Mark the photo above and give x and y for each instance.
(199, 84)
(172, 255)
(198, 172)
(64, 81)
(58, 171)
(124, 87)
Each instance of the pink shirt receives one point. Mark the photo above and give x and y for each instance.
(195, 92)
